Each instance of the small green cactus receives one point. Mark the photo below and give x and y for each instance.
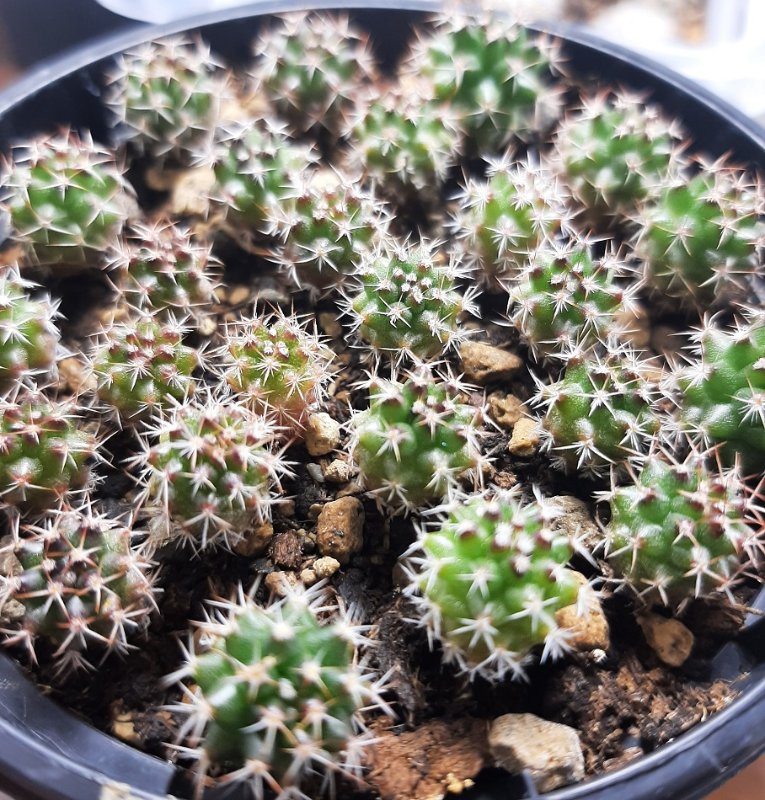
(489, 578)
(159, 269)
(324, 226)
(500, 222)
(44, 452)
(416, 440)
(567, 300)
(167, 94)
(722, 391)
(66, 198)
(407, 305)
(603, 412)
(400, 142)
(680, 530)
(256, 165)
(492, 72)
(209, 475)
(312, 67)
(81, 585)
(616, 152)
(278, 693)
(142, 367)
(28, 334)
(278, 366)
(702, 236)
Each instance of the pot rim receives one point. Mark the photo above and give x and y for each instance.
(710, 752)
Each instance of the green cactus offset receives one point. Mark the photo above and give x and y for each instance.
(66, 198)
(416, 440)
(489, 577)
(81, 585)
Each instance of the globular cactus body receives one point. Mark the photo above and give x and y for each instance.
(278, 694)
(702, 236)
(415, 441)
(67, 199)
(680, 530)
(81, 586)
(602, 412)
(143, 367)
(279, 366)
(489, 578)
(407, 304)
(210, 474)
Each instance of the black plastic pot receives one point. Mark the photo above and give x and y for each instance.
(46, 753)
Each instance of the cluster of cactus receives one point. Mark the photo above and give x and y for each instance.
(407, 304)
(565, 300)
(210, 474)
(317, 170)
(278, 366)
(142, 366)
(279, 692)
(680, 530)
(490, 576)
(416, 440)
(66, 198)
(81, 584)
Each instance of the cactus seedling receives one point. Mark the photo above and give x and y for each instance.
(159, 269)
(407, 305)
(702, 236)
(602, 412)
(278, 366)
(680, 529)
(312, 68)
(722, 391)
(210, 473)
(142, 366)
(167, 94)
(566, 299)
(324, 226)
(500, 222)
(491, 576)
(67, 199)
(493, 73)
(28, 334)
(416, 440)
(401, 141)
(256, 165)
(278, 693)
(616, 151)
(44, 453)
(81, 586)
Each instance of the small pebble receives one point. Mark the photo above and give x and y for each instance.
(505, 409)
(329, 324)
(207, 326)
(668, 638)
(340, 528)
(575, 521)
(585, 621)
(255, 541)
(338, 471)
(239, 294)
(308, 577)
(322, 434)
(549, 752)
(281, 583)
(314, 470)
(326, 567)
(484, 364)
(525, 439)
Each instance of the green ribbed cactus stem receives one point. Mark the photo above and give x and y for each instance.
(66, 198)
(488, 577)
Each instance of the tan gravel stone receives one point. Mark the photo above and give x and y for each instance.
(281, 583)
(322, 434)
(255, 541)
(325, 567)
(550, 752)
(505, 409)
(484, 363)
(340, 528)
(338, 471)
(525, 439)
(668, 638)
(588, 630)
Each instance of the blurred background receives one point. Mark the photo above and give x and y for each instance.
(719, 43)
